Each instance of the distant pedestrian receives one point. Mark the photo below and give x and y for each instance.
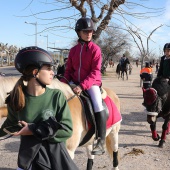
(157, 68)
(130, 69)
(61, 69)
(146, 75)
(137, 63)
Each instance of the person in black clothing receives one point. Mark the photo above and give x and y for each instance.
(157, 68)
(61, 69)
(124, 61)
(164, 69)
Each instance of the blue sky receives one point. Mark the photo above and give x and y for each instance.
(15, 31)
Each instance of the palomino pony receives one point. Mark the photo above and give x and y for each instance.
(79, 121)
(156, 101)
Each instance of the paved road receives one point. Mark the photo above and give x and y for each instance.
(9, 71)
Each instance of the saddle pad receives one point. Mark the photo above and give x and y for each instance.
(114, 113)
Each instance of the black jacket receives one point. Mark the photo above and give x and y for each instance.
(61, 70)
(160, 71)
(42, 155)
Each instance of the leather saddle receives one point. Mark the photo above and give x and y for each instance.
(89, 114)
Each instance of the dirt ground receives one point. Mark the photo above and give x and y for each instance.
(134, 133)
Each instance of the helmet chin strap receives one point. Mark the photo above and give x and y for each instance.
(82, 41)
(43, 85)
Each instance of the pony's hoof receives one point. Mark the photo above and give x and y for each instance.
(161, 143)
(156, 139)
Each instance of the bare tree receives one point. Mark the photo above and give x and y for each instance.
(3, 52)
(144, 52)
(9, 52)
(101, 12)
(112, 42)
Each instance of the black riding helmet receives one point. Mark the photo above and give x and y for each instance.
(84, 24)
(32, 56)
(166, 46)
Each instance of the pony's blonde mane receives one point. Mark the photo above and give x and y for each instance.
(7, 84)
(65, 88)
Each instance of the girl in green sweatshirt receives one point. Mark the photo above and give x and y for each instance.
(43, 113)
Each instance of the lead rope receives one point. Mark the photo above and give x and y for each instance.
(6, 137)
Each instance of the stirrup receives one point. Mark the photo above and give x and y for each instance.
(98, 148)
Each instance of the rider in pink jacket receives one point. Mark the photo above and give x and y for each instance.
(83, 66)
(84, 69)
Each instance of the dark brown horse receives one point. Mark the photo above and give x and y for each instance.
(122, 70)
(157, 103)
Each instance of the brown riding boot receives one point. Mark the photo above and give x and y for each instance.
(100, 118)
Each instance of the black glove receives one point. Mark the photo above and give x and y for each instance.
(46, 129)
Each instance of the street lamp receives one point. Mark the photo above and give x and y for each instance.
(47, 39)
(35, 24)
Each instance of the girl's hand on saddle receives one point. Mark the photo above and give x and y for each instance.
(25, 130)
(77, 90)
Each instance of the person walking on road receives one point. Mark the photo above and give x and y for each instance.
(146, 75)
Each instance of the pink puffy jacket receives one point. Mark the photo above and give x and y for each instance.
(84, 65)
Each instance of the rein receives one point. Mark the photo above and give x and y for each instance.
(59, 76)
(6, 137)
(71, 97)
